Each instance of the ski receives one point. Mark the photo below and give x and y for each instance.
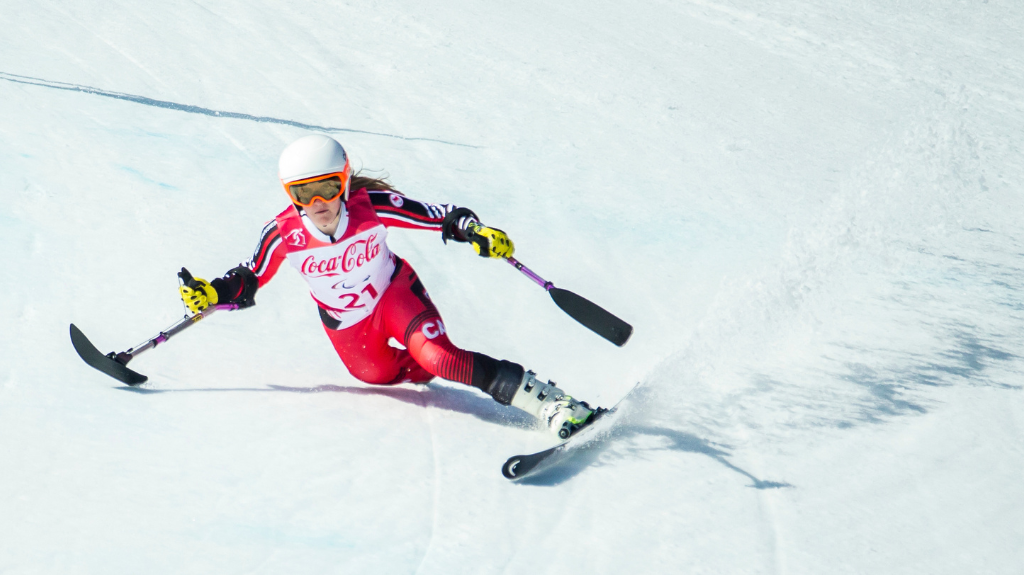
(519, 467)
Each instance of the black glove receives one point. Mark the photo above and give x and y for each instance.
(238, 286)
(455, 223)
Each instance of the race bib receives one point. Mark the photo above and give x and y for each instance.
(347, 278)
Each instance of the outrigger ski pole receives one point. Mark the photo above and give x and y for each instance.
(116, 364)
(591, 315)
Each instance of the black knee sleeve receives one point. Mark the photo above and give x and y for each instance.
(499, 379)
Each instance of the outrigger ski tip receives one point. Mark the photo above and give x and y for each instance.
(111, 364)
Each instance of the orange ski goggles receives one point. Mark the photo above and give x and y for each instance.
(325, 187)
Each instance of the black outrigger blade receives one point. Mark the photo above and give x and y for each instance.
(592, 316)
(114, 365)
(589, 314)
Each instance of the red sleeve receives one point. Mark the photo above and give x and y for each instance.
(269, 254)
(398, 211)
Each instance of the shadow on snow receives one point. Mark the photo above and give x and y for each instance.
(437, 396)
(625, 441)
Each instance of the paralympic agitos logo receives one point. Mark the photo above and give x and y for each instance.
(356, 255)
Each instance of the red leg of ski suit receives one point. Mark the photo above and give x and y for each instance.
(405, 313)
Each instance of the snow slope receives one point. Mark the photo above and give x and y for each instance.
(810, 211)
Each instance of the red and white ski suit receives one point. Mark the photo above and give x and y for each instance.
(367, 294)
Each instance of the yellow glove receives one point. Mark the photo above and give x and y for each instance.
(197, 293)
(490, 242)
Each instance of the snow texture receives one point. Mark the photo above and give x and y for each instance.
(810, 211)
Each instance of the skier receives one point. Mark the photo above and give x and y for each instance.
(334, 233)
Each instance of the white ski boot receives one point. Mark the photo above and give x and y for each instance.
(562, 414)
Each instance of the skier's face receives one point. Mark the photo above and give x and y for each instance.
(325, 214)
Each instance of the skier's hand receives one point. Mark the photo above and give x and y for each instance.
(490, 242)
(197, 293)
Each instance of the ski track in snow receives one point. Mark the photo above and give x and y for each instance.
(436, 489)
(191, 109)
(821, 262)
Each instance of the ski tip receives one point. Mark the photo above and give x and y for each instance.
(83, 346)
(509, 469)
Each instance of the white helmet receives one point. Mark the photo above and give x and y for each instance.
(312, 156)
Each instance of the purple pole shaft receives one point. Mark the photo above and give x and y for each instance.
(529, 273)
(182, 324)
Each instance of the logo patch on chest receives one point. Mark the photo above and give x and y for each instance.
(296, 238)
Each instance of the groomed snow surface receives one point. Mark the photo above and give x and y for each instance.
(809, 210)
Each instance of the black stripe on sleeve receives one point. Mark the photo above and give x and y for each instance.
(409, 209)
(268, 240)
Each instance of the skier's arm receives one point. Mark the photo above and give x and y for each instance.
(240, 284)
(454, 223)
(270, 253)
(398, 211)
